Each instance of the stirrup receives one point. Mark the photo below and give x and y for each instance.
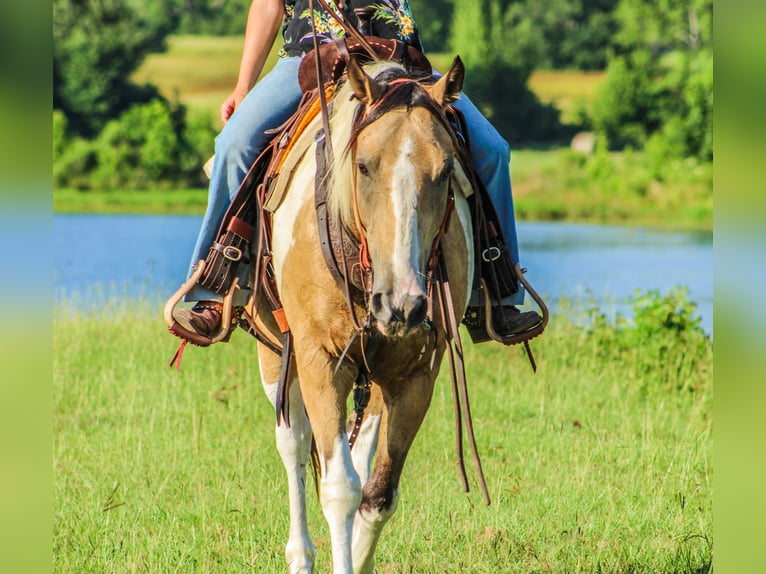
(518, 337)
(224, 330)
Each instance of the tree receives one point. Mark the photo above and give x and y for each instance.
(558, 34)
(97, 45)
(659, 85)
(434, 18)
(496, 79)
(212, 17)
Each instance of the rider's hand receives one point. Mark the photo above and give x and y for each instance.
(231, 103)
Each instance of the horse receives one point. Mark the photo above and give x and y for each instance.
(397, 184)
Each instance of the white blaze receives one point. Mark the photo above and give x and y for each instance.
(406, 244)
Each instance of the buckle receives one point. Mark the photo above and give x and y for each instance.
(491, 254)
(232, 253)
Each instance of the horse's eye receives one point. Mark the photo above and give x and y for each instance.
(444, 175)
(363, 169)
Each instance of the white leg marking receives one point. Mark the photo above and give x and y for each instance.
(340, 495)
(406, 243)
(294, 445)
(367, 528)
(364, 448)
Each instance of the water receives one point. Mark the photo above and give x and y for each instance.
(147, 255)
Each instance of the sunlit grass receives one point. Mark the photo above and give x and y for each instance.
(593, 464)
(179, 201)
(200, 71)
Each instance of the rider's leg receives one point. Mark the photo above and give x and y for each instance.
(269, 104)
(491, 157)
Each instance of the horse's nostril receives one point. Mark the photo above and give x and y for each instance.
(377, 303)
(415, 310)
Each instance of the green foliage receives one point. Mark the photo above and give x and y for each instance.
(560, 34)
(501, 92)
(211, 17)
(97, 44)
(664, 342)
(74, 166)
(497, 84)
(659, 87)
(60, 135)
(141, 146)
(434, 19)
(625, 106)
(148, 146)
(612, 187)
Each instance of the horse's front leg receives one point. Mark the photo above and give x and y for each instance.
(367, 439)
(294, 446)
(340, 490)
(405, 407)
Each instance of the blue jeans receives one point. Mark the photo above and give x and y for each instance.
(268, 105)
(491, 157)
(271, 102)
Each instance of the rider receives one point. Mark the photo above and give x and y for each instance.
(254, 107)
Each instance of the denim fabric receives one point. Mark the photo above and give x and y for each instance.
(272, 101)
(491, 157)
(269, 104)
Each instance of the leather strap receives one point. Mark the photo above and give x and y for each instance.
(459, 385)
(241, 228)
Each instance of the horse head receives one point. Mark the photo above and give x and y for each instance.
(403, 156)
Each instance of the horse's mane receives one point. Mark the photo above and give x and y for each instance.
(347, 121)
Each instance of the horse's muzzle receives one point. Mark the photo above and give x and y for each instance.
(397, 319)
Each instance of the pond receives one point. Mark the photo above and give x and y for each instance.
(96, 256)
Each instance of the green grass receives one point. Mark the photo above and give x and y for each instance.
(181, 201)
(561, 185)
(200, 71)
(599, 463)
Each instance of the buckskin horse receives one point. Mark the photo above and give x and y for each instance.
(396, 183)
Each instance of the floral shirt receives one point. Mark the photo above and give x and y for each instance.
(389, 19)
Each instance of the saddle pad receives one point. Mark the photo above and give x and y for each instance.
(287, 161)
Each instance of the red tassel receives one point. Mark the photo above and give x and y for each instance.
(177, 357)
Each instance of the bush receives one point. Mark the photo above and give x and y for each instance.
(625, 106)
(149, 146)
(664, 343)
(75, 164)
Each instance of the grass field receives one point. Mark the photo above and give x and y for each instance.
(599, 463)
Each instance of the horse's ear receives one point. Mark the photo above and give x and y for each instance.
(447, 89)
(365, 88)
